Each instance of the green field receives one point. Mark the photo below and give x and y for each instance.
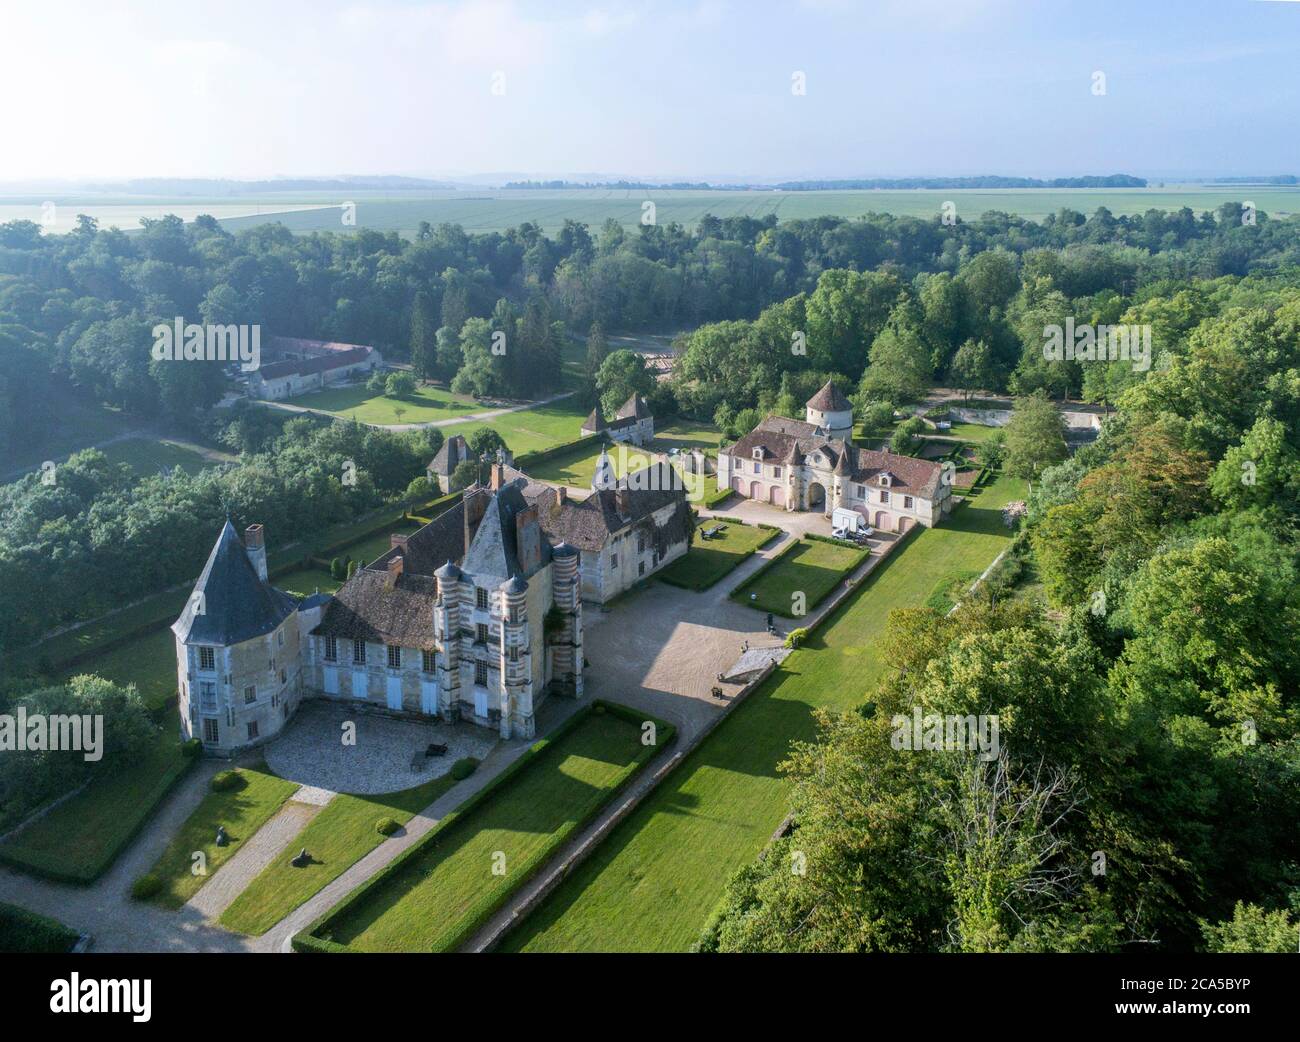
(148, 662)
(355, 402)
(79, 839)
(81, 424)
(484, 210)
(578, 467)
(811, 568)
(338, 837)
(654, 880)
(242, 811)
(708, 560)
(146, 457)
(446, 887)
(531, 430)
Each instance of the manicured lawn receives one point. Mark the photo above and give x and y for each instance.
(435, 897)
(971, 432)
(950, 590)
(242, 811)
(146, 456)
(79, 839)
(148, 662)
(811, 569)
(425, 405)
(531, 430)
(577, 468)
(80, 424)
(338, 837)
(708, 560)
(655, 879)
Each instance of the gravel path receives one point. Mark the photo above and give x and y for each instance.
(267, 844)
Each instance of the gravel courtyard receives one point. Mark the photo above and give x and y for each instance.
(311, 750)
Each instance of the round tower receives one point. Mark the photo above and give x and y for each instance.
(446, 633)
(515, 662)
(830, 412)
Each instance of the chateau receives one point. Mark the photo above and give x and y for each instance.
(812, 464)
(477, 616)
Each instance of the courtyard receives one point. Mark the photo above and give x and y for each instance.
(312, 751)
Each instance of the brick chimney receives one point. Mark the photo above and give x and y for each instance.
(396, 539)
(255, 547)
(562, 493)
(622, 501)
(396, 565)
(528, 539)
(495, 482)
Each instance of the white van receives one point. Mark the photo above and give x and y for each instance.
(849, 524)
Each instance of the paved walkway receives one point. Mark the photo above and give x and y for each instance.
(450, 421)
(267, 844)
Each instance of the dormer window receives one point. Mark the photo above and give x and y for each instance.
(758, 453)
(884, 480)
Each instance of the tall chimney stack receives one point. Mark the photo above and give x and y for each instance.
(255, 547)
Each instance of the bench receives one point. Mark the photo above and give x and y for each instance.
(712, 530)
(435, 749)
(417, 760)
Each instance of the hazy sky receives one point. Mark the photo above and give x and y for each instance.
(699, 89)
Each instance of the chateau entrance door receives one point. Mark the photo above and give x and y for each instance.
(394, 692)
(428, 696)
(331, 681)
(816, 496)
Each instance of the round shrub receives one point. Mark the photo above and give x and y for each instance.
(598, 709)
(386, 826)
(462, 769)
(796, 637)
(190, 749)
(146, 886)
(227, 781)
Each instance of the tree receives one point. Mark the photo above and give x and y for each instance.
(1035, 436)
(465, 475)
(972, 367)
(485, 441)
(899, 370)
(597, 351)
(424, 336)
(400, 384)
(1253, 929)
(622, 374)
(906, 438)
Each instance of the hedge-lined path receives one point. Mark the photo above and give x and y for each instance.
(105, 910)
(450, 421)
(269, 842)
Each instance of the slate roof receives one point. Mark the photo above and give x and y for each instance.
(237, 605)
(427, 549)
(319, 364)
(376, 607)
(588, 524)
(793, 441)
(829, 399)
(635, 408)
(494, 549)
(454, 451)
(595, 420)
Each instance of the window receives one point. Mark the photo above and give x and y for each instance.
(776, 472)
(279, 638)
(428, 661)
(640, 568)
(640, 542)
(613, 560)
(758, 453)
(207, 694)
(284, 677)
(907, 502)
(252, 730)
(884, 497)
(209, 730)
(480, 634)
(860, 491)
(480, 674)
(884, 479)
(250, 694)
(480, 598)
(758, 468)
(359, 652)
(207, 658)
(394, 657)
(331, 649)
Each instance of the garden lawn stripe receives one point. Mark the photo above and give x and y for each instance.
(654, 881)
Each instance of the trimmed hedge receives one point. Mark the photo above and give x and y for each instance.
(24, 932)
(833, 541)
(307, 941)
(463, 768)
(771, 563)
(529, 459)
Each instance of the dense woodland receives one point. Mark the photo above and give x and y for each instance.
(1149, 774)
